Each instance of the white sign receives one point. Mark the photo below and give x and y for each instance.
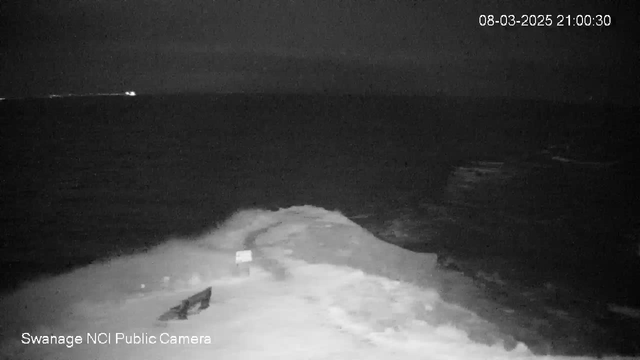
(243, 256)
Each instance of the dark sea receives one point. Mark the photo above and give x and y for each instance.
(535, 200)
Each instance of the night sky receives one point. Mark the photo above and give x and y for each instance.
(364, 46)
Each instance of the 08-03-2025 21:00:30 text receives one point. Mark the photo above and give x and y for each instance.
(511, 20)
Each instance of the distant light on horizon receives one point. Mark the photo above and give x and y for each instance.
(67, 95)
(126, 93)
